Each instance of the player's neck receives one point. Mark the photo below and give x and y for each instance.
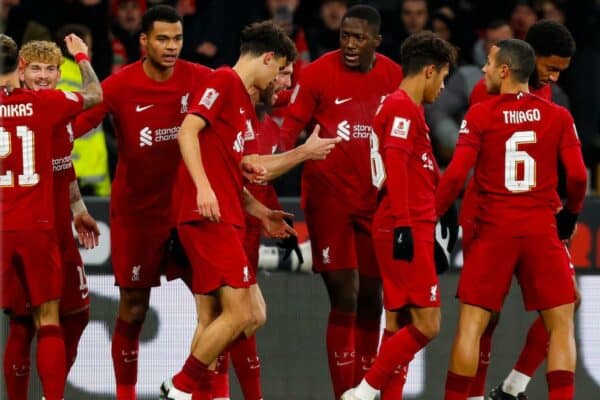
(509, 87)
(156, 74)
(244, 67)
(10, 80)
(414, 88)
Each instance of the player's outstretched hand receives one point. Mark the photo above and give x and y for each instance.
(291, 244)
(208, 205)
(275, 224)
(76, 45)
(441, 261)
(253, 173)
(319, 148)
(565, 224)
(403, 243)
(449, 223)
(87, 230)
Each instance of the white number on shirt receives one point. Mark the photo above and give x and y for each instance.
(29, 177)
(515, 157)
(377, 167)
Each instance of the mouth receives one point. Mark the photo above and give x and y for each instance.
(170, 58)
(43, 85)
(351, 58)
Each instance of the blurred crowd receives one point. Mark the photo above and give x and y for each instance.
(211, 30)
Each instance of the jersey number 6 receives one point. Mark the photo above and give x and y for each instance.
(514, 158)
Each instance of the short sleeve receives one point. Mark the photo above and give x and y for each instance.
(469, 133)
(63, 106)
(212, 96)
(569, 136)
(399, 125)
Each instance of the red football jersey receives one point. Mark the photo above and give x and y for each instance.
(147, 115)
(479, 93)
(400, 124)
(64, 174)
(518, 138)
(343, 102)
(224, 103)
(30, 121)
(264, 139)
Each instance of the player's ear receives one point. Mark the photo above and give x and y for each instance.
(268, 57)
(377, 40)
(429, 70)
(143, 39)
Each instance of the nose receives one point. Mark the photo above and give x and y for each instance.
(554, 77)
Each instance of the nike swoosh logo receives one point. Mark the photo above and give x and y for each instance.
(140, 108)
(341, 364)
(85, 294)
(342, 101)
(130, 360)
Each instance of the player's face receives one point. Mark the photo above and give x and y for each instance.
(435, 83)
(272, 65)
(549, 68)
(38, 76)
(492, 72)
(163, 43)
(283, 81)
(358, 42)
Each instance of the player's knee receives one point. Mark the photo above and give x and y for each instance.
(577, 299)
(345, 300)
(136, 313)
(47, 314)
(429, 326)
(260, 317)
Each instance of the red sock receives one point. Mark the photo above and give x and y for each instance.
(51, 362)
(535, 350)
(485, 352)
(17, 355)
(561, 385)
(340, 350)
(457, 386)
(219, 386)
(73, 326)
(194, 377)
(125, 346)
(366, 339)
(247, 366)
(393, 388)
(397, 350)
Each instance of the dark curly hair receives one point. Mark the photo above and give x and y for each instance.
(550, 38)
(265, 36)
(9, 54)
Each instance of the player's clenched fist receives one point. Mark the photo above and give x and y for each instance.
(208, 205)
(403, 243)
(318, 148)
(76, 45)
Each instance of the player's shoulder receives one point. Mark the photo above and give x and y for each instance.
(387, 63)
(127, 73)
(188, 67)
(399, 99)
(329, 60)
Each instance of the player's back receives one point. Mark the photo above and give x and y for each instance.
(520, 140)
(28, 122)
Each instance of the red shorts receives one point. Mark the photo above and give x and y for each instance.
(75, 295)
(138, 252)
(217, 256)
(31, 272)
(339, 240)
(540, 263)
(252, 247)
(404, 283)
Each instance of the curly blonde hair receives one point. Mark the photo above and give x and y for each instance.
(41, 51)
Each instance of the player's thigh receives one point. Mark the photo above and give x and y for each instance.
(488, 270)
(138, 253)
(544, 273)
(332, 235)
(217, 256)
(365, 251)
(75, 292)
(407, 283)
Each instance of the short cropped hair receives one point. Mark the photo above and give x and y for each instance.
(9, 55)
(160, 13)
(425, 48)
(42, 51)
(550, 38)
(366, 13)
(266, 36)
(519, 56)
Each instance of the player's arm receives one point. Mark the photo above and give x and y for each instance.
(576, 180)
(275, 165)
(189, 145)
(85, 224)
(301, 109)
(273, 221)
(453, 180)
(91, 90)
